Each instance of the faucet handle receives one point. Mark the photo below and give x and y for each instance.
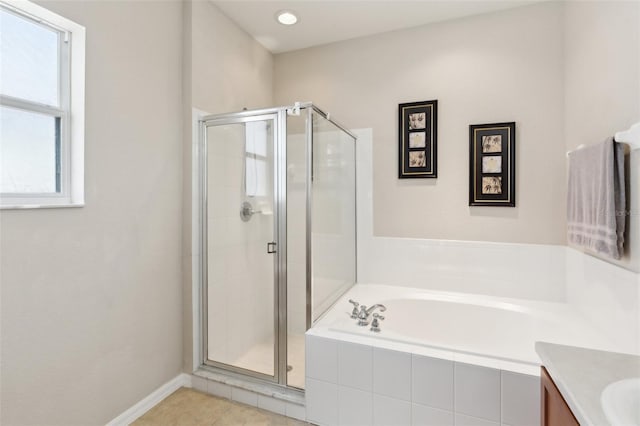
(375, 324)
(362, 316)
(354, 313)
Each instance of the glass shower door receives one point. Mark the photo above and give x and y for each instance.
(240, 247)
(321, 226)
(333, 209)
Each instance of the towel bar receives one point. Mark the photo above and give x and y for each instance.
(631, 137)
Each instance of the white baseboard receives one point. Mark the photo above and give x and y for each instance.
(151, 400)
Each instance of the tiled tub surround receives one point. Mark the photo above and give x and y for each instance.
(441, 358)
(359, 384)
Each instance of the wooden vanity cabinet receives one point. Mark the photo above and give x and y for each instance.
(554, 409)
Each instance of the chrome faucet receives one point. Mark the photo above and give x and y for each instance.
(375, 324)
(354, 313)
(363, 315)
(374, 307)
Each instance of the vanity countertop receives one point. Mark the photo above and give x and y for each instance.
(582, 374)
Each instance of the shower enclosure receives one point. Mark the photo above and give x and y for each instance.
(277, 236)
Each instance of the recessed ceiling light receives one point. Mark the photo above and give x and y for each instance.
(286, 17)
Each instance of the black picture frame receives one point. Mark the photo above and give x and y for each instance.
(418, 140)
(492, 164)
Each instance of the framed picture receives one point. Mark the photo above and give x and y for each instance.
(418, 140)
(492, 165)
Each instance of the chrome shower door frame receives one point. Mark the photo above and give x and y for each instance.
(309, 147)
(277, 117)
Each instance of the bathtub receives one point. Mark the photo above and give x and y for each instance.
(493, 331)
(440, 358)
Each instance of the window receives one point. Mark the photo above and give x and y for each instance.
(41, 108)
(256, 177)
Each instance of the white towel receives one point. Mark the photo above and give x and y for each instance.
(596, 206)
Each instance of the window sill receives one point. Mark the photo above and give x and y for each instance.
(40, 206)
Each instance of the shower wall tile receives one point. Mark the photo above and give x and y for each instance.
(296, 298)
(239, 271)
(296, 234)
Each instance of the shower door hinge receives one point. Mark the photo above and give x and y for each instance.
(295, 111)
(271, 247)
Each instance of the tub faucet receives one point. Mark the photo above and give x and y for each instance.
(373, 308)
(363, 315)
(354, 313)
(375, 324)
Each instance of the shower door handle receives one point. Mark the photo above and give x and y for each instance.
(271, 247)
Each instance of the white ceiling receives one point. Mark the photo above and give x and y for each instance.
(326, 21)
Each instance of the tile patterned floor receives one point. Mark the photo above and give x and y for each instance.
(188, 407)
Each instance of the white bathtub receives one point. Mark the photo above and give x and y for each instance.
(490, 331)
(439, 359)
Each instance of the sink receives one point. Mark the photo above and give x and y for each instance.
(621, 402)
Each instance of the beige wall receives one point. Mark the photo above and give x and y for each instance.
(229, 69)
(224, 70)
(602, 69)
(91, 318)
(505, 66)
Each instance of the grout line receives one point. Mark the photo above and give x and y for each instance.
(501, 390)
(453, 391)
(411, 356)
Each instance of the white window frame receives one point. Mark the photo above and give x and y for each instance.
(70, 111)
(257, 158)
